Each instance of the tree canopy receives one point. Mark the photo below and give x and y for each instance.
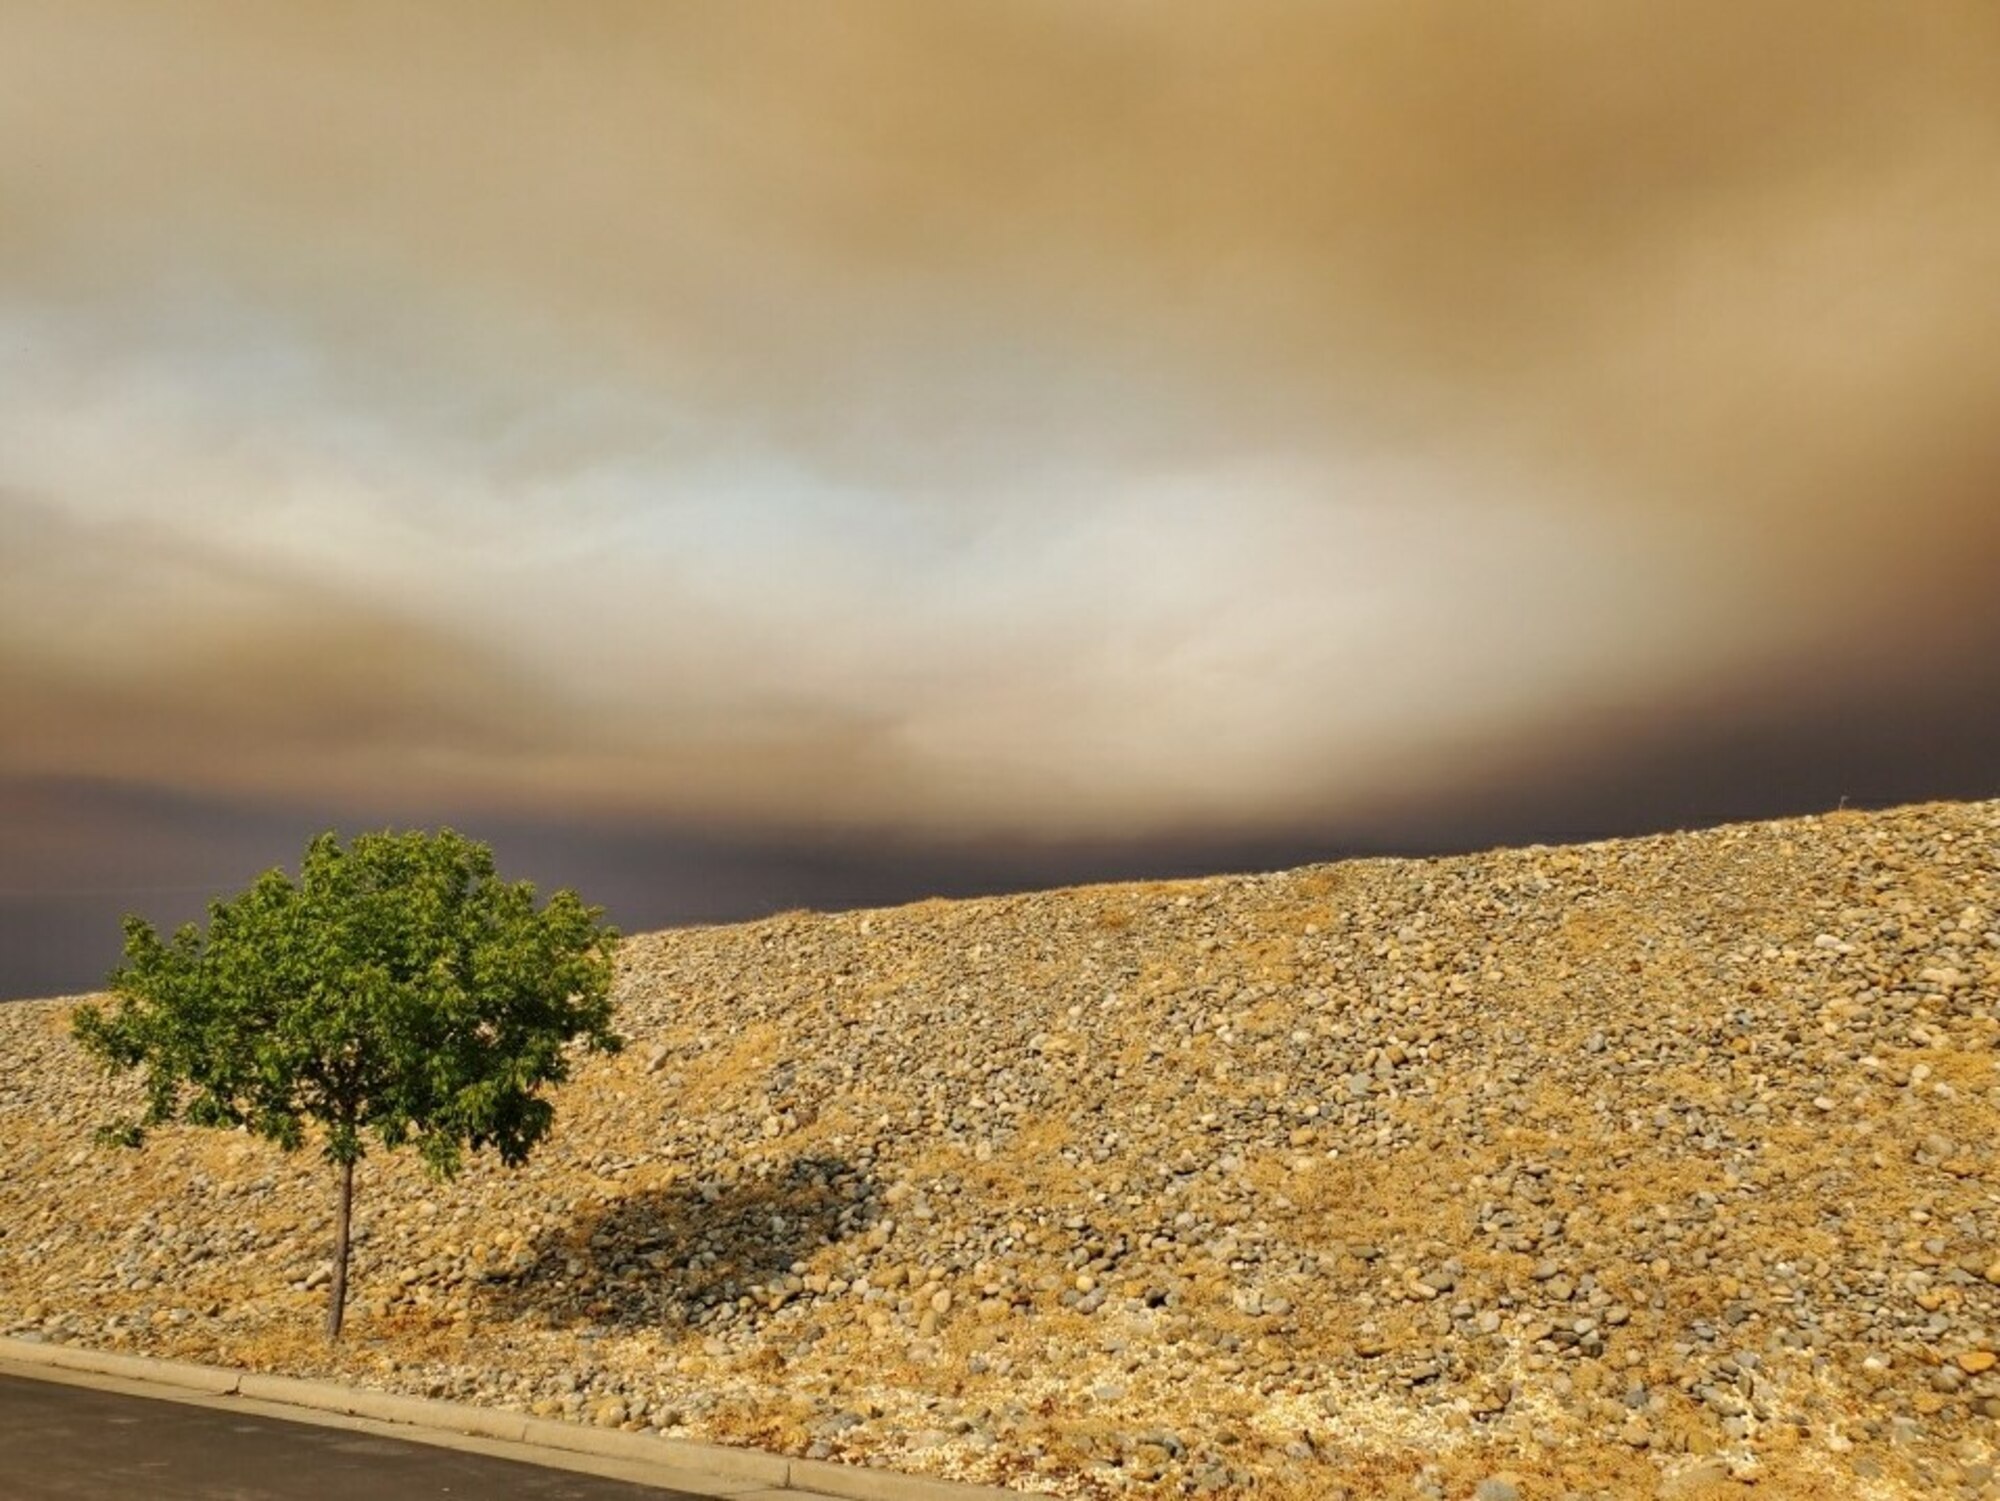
(397, 990)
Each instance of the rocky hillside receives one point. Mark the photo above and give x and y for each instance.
(1649, 1167)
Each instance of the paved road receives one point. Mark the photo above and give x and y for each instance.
(66, 1443)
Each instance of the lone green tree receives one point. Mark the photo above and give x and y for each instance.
(399, 989)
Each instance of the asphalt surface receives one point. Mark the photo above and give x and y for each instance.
(66, 1443)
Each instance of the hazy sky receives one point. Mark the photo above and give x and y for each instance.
(738, 455)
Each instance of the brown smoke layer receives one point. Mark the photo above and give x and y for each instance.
(1275, 414)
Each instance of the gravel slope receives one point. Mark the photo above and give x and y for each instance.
(1649, 1167)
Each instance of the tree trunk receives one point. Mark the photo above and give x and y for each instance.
(336, 1308)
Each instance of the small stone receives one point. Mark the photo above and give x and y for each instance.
(1694, 1480)
(1972, 1362)
(1491, 1400)
(1497, 1488)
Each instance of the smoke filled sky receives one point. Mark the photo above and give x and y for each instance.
(740, 456)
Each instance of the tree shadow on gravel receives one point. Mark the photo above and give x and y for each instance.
(697, 1255)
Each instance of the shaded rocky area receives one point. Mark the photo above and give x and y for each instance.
(1656, 1167)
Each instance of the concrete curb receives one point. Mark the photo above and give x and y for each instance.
(728, 1470)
